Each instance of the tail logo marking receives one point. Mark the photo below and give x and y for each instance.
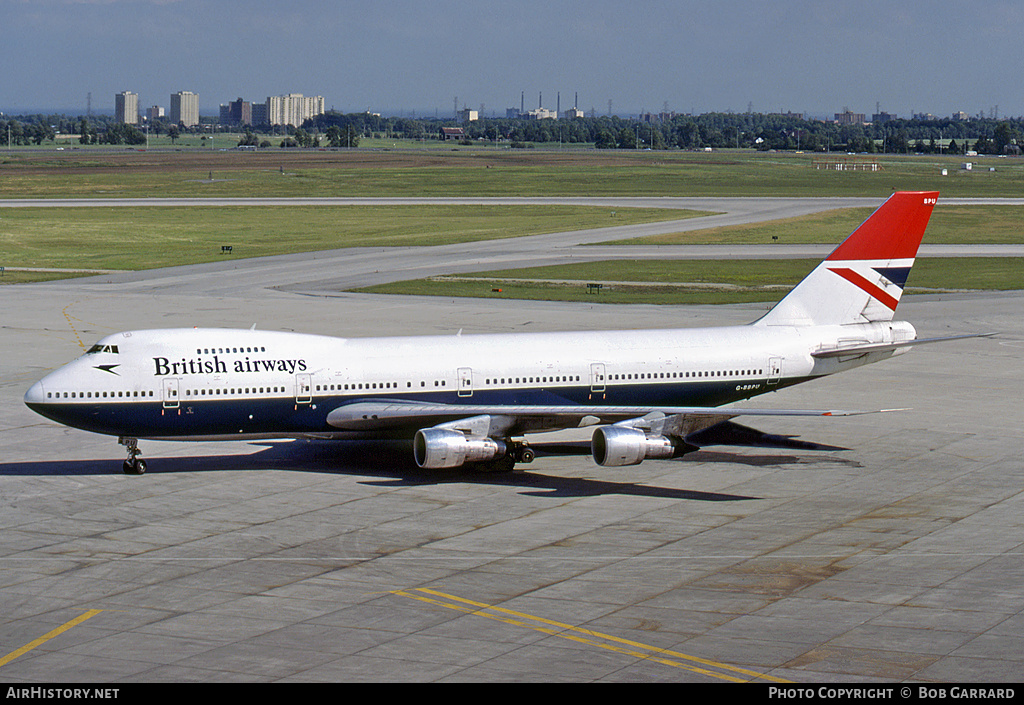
(869, 287)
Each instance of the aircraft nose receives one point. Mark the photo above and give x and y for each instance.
(36, 394)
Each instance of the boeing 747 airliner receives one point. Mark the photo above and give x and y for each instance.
(472, 398)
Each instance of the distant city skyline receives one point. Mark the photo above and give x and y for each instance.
(400, 57)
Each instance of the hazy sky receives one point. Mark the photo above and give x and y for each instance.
(391, 56)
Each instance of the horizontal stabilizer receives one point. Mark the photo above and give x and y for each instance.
(866, 348)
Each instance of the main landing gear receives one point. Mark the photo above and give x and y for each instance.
(134, 465)
(518, 452)
(522, 453)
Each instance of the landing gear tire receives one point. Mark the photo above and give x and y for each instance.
(521, 453)
(134, 467)
(517, 453)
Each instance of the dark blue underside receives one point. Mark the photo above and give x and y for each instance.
(286, 416)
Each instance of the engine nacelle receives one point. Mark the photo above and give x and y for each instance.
(613, 446)
(445, 448)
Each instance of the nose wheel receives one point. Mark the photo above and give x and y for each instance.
(134, 465)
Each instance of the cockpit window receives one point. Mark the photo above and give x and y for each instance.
(101, 348)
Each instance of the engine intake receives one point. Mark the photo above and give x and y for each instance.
(614, 446)
(445, 448)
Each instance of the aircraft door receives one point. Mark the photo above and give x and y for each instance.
(597, 377)
(465, 381)
(774, 370)
(170, 389)
(303, 388)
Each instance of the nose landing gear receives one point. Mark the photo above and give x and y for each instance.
(134, 465)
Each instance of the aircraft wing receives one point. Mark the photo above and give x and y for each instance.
(508, 420)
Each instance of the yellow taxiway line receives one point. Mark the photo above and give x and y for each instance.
(609, 642)
(49, 635)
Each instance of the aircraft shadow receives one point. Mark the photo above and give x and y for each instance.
(392, 464)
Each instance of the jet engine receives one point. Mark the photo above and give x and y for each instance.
(445, 448)
(613, 446)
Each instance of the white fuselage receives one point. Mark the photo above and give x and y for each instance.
(222, 383)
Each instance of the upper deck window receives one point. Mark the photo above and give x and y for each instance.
(97, 348)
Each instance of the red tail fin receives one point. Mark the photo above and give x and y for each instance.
(894, 231)
(862, 280)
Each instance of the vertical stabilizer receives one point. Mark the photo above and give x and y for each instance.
(862, 280)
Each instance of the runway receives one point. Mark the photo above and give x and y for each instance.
(899, 559)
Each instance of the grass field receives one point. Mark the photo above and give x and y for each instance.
(483, 171)
(691, 281)
(139, 238)
(948, 225)
(144, 238)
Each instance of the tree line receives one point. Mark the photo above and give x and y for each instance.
(36, 129)
(715, 130)
(689, 132)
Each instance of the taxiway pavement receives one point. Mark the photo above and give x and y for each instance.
(900, 559)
